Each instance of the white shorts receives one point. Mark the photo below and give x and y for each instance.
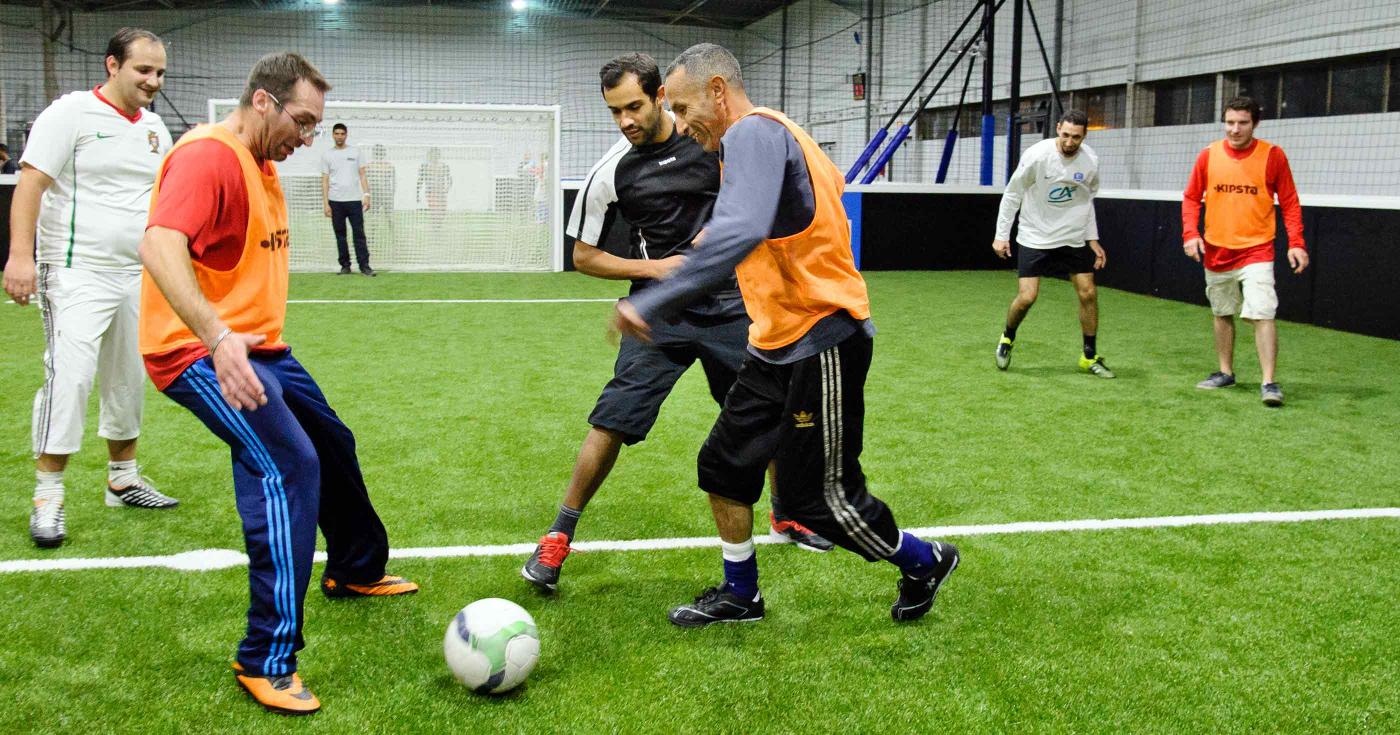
(89, 330)
(1247, 291)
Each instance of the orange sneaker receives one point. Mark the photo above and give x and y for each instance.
(385, 587)
(283, 695)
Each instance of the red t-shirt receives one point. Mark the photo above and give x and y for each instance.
(202, 195)
(1278, 178)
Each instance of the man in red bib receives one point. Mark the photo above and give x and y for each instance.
(213, 302)
(1238, 178)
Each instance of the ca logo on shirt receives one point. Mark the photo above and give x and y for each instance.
(154, 140)
(1061, 194)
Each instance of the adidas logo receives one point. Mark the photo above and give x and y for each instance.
(803, 420)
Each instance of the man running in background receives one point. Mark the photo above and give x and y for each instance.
(1053, 187)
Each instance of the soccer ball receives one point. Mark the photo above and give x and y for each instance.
(491, 645)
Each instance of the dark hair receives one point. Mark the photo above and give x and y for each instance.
(120, 44)
(648, 74)
(278, 74)
(1075, 117)
(4, 148)
(1244, 104)
(340, 126)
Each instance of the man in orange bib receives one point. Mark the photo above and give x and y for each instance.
(1238, 178)
(799, 400)
(213, 302)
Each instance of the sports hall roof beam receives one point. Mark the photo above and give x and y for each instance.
(689, 9)
(598, 9)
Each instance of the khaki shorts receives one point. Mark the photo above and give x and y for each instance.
(1247, 291)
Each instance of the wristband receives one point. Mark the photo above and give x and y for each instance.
(215, 347)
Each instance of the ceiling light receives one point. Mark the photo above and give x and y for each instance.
(518, 4)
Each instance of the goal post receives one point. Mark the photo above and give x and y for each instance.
(453, 187)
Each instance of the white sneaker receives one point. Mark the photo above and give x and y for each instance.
(141, 495)
(46, 524)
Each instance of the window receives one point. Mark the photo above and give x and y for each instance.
(1394, 105)
(1105, 107)
(1263, 88)
(1304, 93)
(1035, 115)
(1185, 101)
(1358, 87)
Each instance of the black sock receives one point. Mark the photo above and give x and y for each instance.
(566, 521)
(1091, 349)
(1009, 333)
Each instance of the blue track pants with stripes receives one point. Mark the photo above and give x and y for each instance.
(294, 467)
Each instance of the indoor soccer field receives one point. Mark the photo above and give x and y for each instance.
(468, 415)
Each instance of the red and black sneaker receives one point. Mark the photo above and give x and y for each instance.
(542, 568)
(786, 531)
(387, 586)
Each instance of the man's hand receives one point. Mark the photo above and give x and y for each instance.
(328, 209)
(1297, 259)
(627, 322)
(1195, 248)
(19, 279)
(1002, 248)
(237, 381)
(1100, 258)
(365, 201)
(666, 266)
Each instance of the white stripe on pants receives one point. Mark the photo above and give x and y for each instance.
(90, 320)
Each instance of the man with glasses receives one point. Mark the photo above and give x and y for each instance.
(213, 303)
(84, 191)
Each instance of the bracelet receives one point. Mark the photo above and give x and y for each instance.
(215, 347)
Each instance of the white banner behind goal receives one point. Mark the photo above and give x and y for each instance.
(452, 187)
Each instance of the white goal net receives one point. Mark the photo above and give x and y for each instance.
(452, 187)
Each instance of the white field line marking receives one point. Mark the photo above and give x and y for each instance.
(451, 301)
(212, 559)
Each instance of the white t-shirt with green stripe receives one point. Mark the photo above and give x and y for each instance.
(104, 165)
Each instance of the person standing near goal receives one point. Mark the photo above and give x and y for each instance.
(346, 195)
(85, 187)
(1053, 188)
(665, 184)
(1238, 178)
(799, 399)
(213, 303)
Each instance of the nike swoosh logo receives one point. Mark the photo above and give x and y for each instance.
(100, 136)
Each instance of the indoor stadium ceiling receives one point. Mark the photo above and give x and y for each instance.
(708, 13)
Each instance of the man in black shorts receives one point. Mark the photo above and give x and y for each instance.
(664, 184)
(1054, 188)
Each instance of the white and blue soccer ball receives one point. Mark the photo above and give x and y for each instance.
(492, 645)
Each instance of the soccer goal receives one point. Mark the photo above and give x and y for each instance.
(452, 187)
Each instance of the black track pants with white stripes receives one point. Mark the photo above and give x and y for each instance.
(808, 416)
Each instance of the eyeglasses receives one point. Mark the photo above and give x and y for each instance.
(307, 131)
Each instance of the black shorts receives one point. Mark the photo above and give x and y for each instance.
(645, 373)
(1064, 260)
(808, 418)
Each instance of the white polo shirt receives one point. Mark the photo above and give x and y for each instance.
(1055, 196)
(104, 166)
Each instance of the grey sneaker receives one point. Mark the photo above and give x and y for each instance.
(1271, 394)
(1004, 353)
(46, 524)
(1095, 366)
(1217, 379)
(141, 495)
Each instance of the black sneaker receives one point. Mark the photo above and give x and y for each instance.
(542, 568)
(916, 593)
(717, 605)
(1216, 380)
(368, 271)
(1271, 394)
(344, 270)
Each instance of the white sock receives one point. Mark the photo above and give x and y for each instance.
(48, 485)
(741, 551)
(123, 474)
